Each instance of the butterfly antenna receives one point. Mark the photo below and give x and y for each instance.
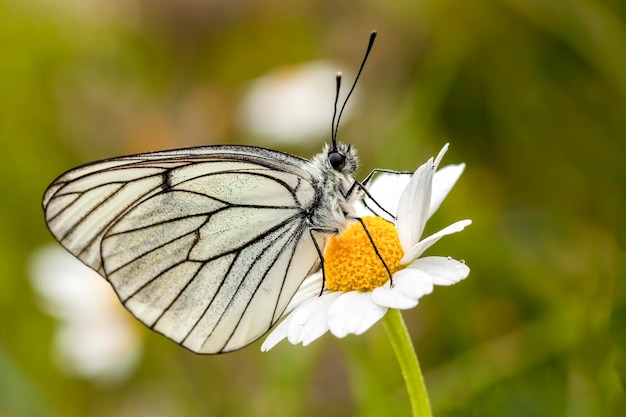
(367, 52)
(333, 131)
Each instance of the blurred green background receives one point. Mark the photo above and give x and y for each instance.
(530, 94)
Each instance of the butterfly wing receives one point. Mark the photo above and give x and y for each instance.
(204, 245)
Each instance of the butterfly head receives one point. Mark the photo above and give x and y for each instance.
(343, 159)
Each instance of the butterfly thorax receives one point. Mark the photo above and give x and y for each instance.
(332, 203)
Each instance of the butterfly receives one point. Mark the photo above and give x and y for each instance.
(207, 245)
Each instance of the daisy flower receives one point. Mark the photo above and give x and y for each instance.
(277, 106)
(357, 289)
(95, 338)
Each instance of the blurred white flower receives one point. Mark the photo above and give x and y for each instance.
(357, 290)
(96, 338)
(292, 104)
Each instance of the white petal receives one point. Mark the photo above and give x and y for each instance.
(310, 288)
(278, 334)
(443, 181)
(360, 210)
(409, 285)
(443, 271)
(353, 313)
(318, 324)
(414, 205)
(386, 189)
(415, 252)
(307, 322)
(310, 321)
(440, 155)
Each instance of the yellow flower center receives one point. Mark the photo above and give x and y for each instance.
(350, 261)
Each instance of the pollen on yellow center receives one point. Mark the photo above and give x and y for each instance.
(350, 261)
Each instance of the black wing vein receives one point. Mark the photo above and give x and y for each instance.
(294, 237)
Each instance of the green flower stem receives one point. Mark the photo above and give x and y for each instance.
(403, 347)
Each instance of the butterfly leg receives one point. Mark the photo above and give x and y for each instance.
(379, 170)
(363, 187)
(319, 250)
(369, 236)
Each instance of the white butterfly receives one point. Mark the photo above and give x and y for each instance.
(205, 245)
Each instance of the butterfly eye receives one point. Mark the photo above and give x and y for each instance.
(337, 160)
